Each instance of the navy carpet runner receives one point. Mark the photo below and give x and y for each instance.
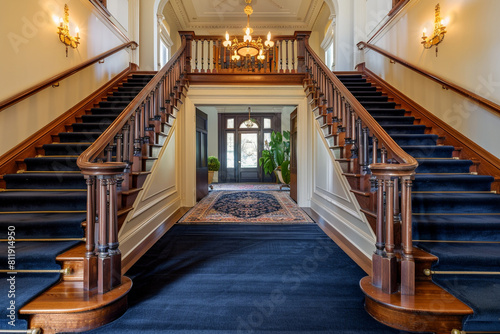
(455, 215)
(47, 200)
(235, 278)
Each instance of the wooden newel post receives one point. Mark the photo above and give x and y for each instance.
(302, 38)
(189, 36)
(102, 263)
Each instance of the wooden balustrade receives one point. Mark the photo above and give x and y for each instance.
(108, 162)
(388, 176)
(210, 56)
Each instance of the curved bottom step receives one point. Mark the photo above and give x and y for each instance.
(431, 309)
(66, 307)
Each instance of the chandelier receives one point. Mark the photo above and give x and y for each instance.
(249, 123)
(248, 47)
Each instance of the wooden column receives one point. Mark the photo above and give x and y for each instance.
(407, 263)
(301, 37)
(103, 260)
(90, 260)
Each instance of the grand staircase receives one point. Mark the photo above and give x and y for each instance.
(43, 212)
(456, 217)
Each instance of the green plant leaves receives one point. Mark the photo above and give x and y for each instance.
(278, 155)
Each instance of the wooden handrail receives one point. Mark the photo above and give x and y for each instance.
(390, 177)
(405, 161)
(443, 82)
(49, 82)
(119, 150)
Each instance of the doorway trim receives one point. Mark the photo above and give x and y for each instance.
(244, 95)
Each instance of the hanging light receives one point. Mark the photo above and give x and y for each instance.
(249, 46)
(249, 123)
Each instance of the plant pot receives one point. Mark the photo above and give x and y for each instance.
(210, 176)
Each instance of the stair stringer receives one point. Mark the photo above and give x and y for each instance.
(156, 208)
(333, 200)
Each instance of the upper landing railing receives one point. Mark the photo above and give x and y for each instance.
(208, 55)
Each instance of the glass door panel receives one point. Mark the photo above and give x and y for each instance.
(249, 150)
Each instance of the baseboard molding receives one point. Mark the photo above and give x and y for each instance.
(148, 242)
(350, 249)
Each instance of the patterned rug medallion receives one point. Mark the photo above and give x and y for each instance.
(248, 207)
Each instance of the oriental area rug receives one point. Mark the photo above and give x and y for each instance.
(246, 207)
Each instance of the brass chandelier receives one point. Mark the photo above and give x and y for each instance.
(248, 47)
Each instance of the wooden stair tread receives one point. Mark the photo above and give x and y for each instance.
(74, 254)
(419, 254)
(428, 298)
(69, 297)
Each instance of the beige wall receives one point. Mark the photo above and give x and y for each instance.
(467, 57)
(32, 53)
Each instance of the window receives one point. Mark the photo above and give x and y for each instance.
(230, 150)
(230, 123)
(163, 54)
(267, 123)
(244, 125)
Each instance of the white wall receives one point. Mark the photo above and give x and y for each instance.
(159, 199)
(32, 53)
(332, 199)
(467, 57)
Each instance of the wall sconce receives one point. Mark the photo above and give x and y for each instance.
(439, 31)
(63, 31)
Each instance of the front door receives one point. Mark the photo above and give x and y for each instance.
(240, 145)
(248, 159)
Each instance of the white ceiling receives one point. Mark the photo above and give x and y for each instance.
(214, 17)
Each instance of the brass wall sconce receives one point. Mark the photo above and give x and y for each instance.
(439, 31)
(63, 32)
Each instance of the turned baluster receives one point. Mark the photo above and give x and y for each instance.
(119, 147)
(90, 259)
(281, 56)
(114, 252)
(202, 55)
(103, 261)
(126, 142)
(109, 152)
(365, 150)
(407, 263)
(374, 149)
(287, 68)
(379, 253)
(293, 56)
(389, 263)
(196, 57)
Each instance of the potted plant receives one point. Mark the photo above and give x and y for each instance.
(276, 158)
(213, 166)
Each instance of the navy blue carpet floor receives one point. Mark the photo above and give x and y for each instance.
(245, 279)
